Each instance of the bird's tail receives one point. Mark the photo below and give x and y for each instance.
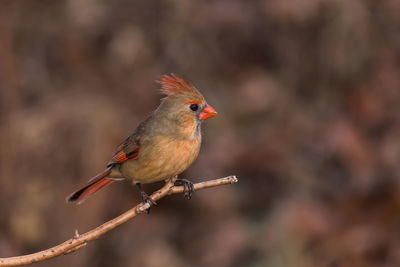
(92, 186)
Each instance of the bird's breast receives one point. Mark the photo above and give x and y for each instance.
(161, 158)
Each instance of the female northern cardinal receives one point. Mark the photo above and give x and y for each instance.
(162, 146)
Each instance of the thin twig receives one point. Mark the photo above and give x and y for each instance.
(79, 241)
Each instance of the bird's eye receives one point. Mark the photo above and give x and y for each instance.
(194, 107)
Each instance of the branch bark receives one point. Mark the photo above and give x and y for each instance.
(79, 241)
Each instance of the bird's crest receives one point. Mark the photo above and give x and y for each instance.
(172, 84)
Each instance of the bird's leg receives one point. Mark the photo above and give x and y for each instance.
(145, 197)
(188, 187)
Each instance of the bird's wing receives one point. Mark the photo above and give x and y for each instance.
(127, 150)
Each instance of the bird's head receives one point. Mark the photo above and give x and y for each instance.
(184, 104)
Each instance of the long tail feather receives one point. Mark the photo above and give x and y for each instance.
(92, 186)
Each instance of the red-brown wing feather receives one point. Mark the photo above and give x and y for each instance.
(128, 150)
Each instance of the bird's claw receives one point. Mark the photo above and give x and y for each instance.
(188, 187)
(147, 199)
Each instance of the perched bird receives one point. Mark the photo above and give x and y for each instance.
(161, 147)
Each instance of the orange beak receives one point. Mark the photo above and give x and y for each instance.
(208, 112)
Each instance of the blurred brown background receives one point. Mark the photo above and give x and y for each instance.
(308, 95)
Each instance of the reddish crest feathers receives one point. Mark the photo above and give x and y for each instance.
(171, 85)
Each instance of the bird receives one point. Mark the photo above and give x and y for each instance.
(161, 147)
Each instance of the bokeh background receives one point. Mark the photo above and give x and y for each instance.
(308, 95)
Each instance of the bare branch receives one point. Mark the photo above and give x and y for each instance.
(79, 241)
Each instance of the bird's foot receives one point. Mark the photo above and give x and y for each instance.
(188, 187)
(147, 199)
